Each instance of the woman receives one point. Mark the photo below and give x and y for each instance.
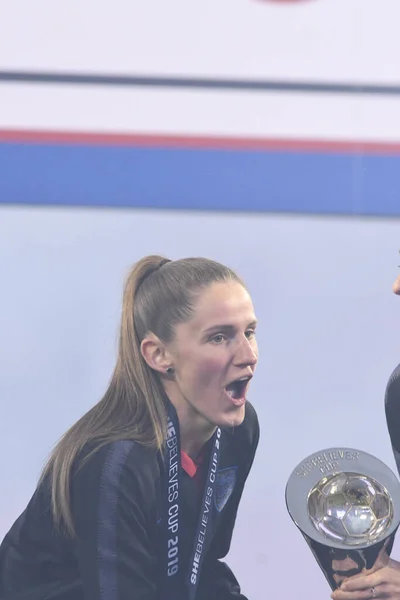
(383, 582)
(139, 498)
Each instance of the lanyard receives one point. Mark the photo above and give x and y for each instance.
(172, 580)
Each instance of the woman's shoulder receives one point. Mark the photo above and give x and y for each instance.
(122, 458)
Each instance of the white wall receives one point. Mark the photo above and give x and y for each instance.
(328, 41)
(351, 40)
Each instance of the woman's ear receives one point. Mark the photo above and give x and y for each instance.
(155, 353)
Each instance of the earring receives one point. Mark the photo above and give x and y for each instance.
(170, 370)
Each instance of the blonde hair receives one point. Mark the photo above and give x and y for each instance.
(158, 294)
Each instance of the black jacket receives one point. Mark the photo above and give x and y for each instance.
(116, 505)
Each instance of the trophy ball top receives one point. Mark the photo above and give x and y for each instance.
(344, 498)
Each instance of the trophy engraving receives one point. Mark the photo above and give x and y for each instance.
(346, 504)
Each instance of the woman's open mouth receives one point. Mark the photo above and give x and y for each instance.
(236, 390)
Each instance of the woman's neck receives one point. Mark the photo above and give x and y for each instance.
(195, 430)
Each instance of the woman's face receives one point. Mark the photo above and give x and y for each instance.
(211, 351)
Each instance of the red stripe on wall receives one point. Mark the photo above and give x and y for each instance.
(198, 142)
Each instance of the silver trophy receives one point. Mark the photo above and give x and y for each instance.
(346, 504)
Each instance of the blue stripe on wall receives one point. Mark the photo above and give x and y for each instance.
(215, 179)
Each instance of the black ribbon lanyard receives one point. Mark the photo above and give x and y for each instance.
(173, 581)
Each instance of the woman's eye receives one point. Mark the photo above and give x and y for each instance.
(218, 339)
(250, 333)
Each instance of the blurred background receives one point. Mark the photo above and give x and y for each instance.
(262, 134)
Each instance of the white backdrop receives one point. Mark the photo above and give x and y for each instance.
(347, 40)
(328, 335)
(328, 41)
